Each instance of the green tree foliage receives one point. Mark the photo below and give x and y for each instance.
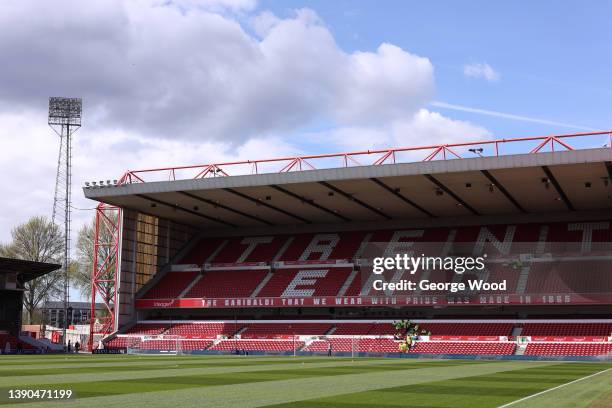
(81, 274)
(407, 332)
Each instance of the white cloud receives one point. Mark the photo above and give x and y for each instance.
(481, 70)
(97, 155)
(264, 22)
(424, 128)
(431, 128)
(183, 82)
(159, 68)
(511, 116)
(384, 85)
(212, 5)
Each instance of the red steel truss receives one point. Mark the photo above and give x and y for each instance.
(104, 274)
(484, 148)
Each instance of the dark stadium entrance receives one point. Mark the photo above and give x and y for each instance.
(14, 273)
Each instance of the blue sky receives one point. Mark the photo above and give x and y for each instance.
(554, 57)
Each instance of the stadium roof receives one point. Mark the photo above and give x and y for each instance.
(561, 181)
(27, 270)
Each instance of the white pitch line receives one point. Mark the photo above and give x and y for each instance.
(552, 389)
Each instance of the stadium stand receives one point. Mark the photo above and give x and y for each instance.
(258, 345)
(447, 329)
(201, 252)
(195, 344)
(301, 280)
(275, 330)
(567, 329)
(227, 283)
(469, 329)
(568, 349)
(561, 277)
(482, 348)
(170, 285)
(174, 344)
(148, 328)
(370, 337)
(364, 345)
(239, 250)
(123, 342)
(345, 245)
(355, 329)
(203, 330)
(327, 282)
(13, 342)
(320, 265)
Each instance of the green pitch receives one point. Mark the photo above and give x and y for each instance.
(312, 382)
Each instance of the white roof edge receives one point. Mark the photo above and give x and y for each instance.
(357, 172)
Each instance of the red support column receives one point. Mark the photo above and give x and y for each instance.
(104, 274)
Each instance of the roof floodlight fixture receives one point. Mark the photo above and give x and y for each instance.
(65, 111)
(477, 151)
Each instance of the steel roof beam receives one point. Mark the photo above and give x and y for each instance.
(609, 168)
(225, 207)
(402, 197)
(179, 208)
(259, 202)
(309, 202)
(503, 190)
(557, 187)
(355, 200)
(448, 191)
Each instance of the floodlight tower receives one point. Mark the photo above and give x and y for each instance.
(65, 120)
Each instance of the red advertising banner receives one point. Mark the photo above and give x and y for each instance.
(235, 264)
(590, 339)
(316, 262)
(376, 301)
(464, 338)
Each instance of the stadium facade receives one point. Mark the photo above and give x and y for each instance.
(200, 256)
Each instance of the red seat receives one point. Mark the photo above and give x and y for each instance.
(357, 345)
(258, 345)
(148, 328)
(122, 342)
(327, 282)
(569, 349)
(219, 284)
(463, 347)
(272, 330)
(205, 330)
(170, 286)
(566, 329)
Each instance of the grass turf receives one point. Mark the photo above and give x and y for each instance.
(312, 382)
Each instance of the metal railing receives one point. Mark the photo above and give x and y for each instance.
(482, 148)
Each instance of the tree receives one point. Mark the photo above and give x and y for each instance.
(407, 332)
(37, 240)
(81, 273)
